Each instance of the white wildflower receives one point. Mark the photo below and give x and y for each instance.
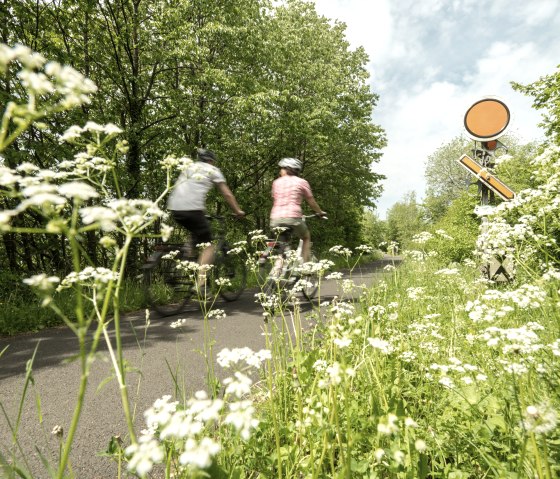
(42, 282)
(78, 191)
(178, 323)
(420, 445)
(540, 419)
(390, 426)
(378, 454)
(199, 454)
(145, 454)
(239, 385)
(340, 250)
(165, 232)
(342, 342)
(423, 237)
(216, 314)
(240, 356)
(399, 456)
(335, 275)
(241, 416)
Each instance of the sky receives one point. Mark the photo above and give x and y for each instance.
(430, 60)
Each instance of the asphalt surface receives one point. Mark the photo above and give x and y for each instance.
(156, 355)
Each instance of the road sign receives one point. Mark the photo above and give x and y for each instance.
(487, 119)
(486, 178)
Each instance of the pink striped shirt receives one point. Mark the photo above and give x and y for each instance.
(287, 194)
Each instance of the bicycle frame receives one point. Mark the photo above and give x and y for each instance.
(283, 245)
(178, 285)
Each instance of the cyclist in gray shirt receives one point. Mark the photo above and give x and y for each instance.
(187, 202)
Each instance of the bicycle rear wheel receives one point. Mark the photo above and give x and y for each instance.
(168, 289)
(310, 290)
(229, 276)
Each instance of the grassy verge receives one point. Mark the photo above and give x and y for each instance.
(21, 310)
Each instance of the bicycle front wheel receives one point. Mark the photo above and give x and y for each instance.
(229, 276)
(168, 289)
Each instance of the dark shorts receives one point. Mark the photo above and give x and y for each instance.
(197, 223)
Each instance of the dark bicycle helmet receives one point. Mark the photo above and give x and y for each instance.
(206, 155)
(291, 163)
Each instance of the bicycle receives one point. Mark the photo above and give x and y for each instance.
(280, 266)
(170, 274)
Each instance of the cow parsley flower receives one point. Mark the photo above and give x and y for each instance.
(239, 385)
(242, 356)
(423, 237)
(216, 314)
(540, 419)
(42, 282)
(145, 454)
(343, 342)
(390, 426)
(341, 251)
(241, 416)
(78, 191)
(199, 453)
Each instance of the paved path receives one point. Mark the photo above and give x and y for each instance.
(154, 352)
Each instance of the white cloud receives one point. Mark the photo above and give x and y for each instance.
(537, 11)
(369, 22)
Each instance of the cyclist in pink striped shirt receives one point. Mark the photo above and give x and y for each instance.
(288, 191)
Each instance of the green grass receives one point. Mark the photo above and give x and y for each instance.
(21, 310)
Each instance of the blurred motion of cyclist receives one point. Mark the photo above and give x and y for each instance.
(288, 192)
(187, 203)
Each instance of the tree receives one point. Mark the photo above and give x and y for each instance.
(447, 180)
(252, 81)
(404, 220)
(445, 177)
(374, 229)
(546, 96)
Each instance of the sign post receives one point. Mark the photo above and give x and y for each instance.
(485, 121)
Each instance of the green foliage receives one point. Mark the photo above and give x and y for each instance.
(22, 313)
(527, 229)
(462, 225)
(251, 81)
(445, 177)
(546, 96)
(374, 229)
(404, 220)
(516, 171)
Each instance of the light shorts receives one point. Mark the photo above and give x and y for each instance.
(297, 225)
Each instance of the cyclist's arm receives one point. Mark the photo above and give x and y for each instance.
(308, 195)
(314, 206)
(223, 188)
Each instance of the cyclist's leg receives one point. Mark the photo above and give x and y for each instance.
(184, 219)
(202, 235)
(199, 227)
(276, 224)
(301, 230)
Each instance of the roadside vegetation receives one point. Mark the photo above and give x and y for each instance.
(435, 371)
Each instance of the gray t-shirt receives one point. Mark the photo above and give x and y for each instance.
(193, 185)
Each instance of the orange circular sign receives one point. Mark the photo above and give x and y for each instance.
(487, 119)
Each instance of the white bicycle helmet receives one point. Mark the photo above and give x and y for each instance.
(291, 163)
